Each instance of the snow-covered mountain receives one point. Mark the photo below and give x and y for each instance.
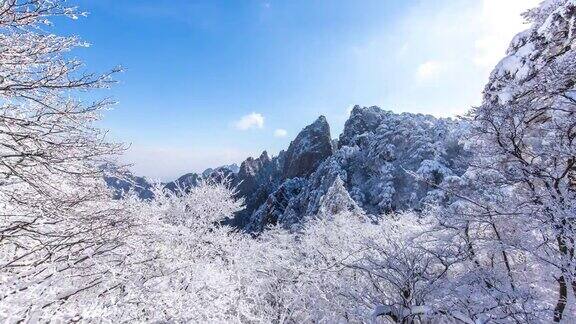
(379, 157)
(123, 181)
(378, 160)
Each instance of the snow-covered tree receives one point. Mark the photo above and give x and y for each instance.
(520, 200)
(349, 268)
(56, 218)
(179, 262)
(337, 200)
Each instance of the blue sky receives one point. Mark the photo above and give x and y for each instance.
(212, 82)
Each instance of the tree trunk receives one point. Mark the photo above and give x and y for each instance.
(562, 298)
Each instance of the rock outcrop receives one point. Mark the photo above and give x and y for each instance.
(272, 210)
(380, 156)
(267, 184)
(255, 180)
(312, 146)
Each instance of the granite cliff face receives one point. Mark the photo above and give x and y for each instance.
(272, 210)
(254, 181)
(312, 146)
(266, 184)
(254, 173)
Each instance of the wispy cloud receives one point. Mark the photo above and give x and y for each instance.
(250, 121)
(280, 132)
(428, 70)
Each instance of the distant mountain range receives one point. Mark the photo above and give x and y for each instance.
(377, 159)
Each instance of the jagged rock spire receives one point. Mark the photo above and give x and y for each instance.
(312, 146)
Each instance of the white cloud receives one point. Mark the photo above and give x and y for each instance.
(280, 132)
(428, 70)
(250, 121)
(499, 21)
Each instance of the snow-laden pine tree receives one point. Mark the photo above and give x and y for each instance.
(522, 206)
(337, 200)
(56, 218)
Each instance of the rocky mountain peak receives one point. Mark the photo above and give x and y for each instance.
(185, 182)
(229, 168)
(251, 166)
(264, 157)
(312, 146)
(361, 120)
